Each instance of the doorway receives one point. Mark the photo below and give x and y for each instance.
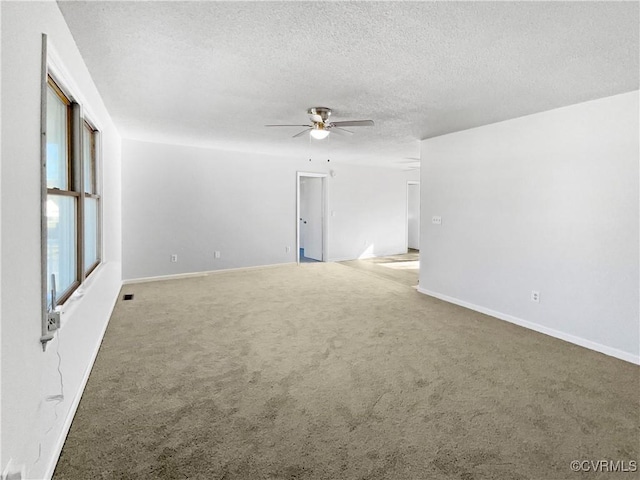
(310, 217)
(413, 216)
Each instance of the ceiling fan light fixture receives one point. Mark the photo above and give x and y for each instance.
(319, 133)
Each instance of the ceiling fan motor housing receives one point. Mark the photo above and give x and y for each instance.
(323, 112)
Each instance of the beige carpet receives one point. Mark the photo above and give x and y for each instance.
(324, 371)
(403, 268)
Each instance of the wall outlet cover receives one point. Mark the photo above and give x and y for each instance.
(53, 321)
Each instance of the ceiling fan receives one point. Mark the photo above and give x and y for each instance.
(321, 126)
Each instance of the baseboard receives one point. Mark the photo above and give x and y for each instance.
(177, 276)
(598, 347)
(51, 467)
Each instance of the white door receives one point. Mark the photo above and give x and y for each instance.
(311, 204)
(413, 216)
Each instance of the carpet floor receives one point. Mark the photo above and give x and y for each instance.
(403, 268)
(323, 371)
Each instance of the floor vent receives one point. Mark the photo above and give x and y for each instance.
(128, 296)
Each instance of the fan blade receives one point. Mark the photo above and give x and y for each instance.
(354, 123)
(302, 132)
(341, 131)
(288, 125)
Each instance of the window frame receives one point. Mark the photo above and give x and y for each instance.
(93, 192)
(76, 122)
(69, 191)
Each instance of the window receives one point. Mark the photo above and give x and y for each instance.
(91, 199)
(73, 200)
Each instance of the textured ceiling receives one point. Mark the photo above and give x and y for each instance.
(214, 73)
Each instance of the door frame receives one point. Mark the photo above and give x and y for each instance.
(324, 202)
(406, 223)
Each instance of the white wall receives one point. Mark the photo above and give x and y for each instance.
(193, 201)
(369, 208)
(33, 429)
(546, 202)
(413, 215)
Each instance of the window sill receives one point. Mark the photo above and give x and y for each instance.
(69, 306)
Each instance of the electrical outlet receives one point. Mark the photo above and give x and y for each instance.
(436, 220)
(174, 258)
(216, 254)
(535, 296)
(53, 321)
(287, 249)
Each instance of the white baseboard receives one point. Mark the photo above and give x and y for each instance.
(598, 347)
(176, 276)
